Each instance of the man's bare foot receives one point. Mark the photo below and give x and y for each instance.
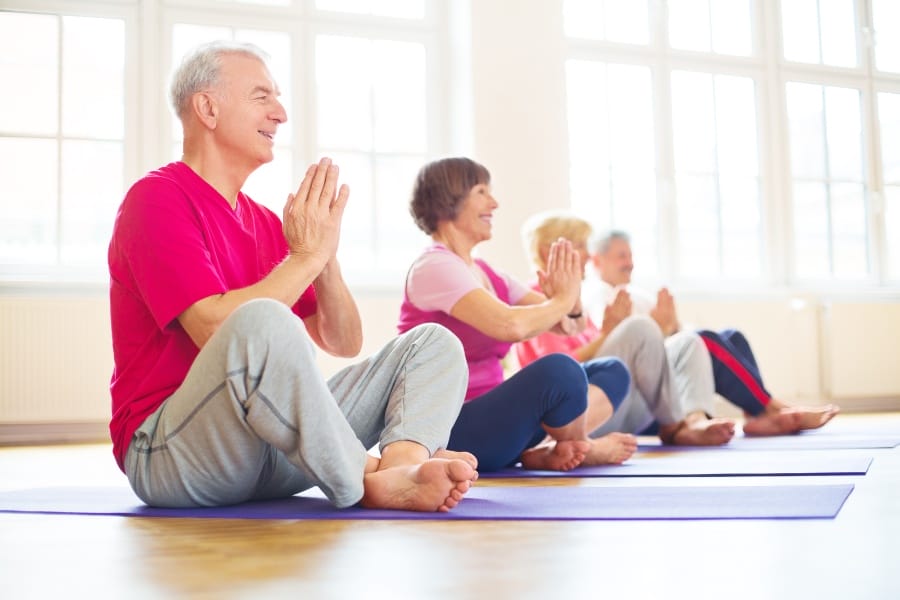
(611, 449)
(453, 454)
(556, 456)
(788, 420)
(699, 432)
(437, 484)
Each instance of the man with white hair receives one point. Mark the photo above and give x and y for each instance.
(735, 370)
(216, 307)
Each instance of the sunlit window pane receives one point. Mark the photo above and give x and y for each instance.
(612, 151)
(811, 239)
(357, 246)
(806, 123)
(399, 97)
(844, 130)
(889, 133)
(886, 20)
(741, 227)
(889, 130)
(89, 202)
(819, 32)
(720, 26)
(28, 203)
(29, 67)
(892, 230)
(830, 209)
(838, 31)
(400, 240)
(693, 122)
(344, 92)
(848, 206)
(404, 9)
(93, 78)
(698, 226)
(624, 21)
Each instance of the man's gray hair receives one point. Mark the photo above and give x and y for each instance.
(600, 244)
(200, 69)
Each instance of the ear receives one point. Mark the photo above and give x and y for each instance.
(206, 108)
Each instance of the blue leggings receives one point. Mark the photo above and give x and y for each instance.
(499, 425)
(735, 371)
(610, 375)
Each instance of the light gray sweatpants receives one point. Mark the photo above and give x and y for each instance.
(669, 377)
(255, 419)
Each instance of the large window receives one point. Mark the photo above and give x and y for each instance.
(767, 131)
(358, 80)
(62, 130)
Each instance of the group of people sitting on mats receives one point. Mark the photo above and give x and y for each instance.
(218, 305)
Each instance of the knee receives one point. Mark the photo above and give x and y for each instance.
(564, 371)
(436, 336)
(612, 376)
(262, 317)
(641, 327)
(440, 341)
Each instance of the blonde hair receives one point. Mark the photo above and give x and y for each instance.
(542, 229)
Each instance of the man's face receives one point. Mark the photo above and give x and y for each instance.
(615, 265)
(249, 110)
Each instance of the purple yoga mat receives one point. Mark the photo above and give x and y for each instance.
(711, 463)
(482, 502)
(807, 440)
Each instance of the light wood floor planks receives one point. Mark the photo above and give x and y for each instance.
(856, 555)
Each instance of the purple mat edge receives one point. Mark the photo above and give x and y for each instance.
(851, 466)
(316, 508)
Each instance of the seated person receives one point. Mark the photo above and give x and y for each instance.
(540, 415)
(672, 387)
(735, 371)
(216, 306)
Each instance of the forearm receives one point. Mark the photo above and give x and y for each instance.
(285, 284)
(336, 327)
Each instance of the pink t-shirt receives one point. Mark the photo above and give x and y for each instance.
(176, 240)
(437, 280)
(546, 343)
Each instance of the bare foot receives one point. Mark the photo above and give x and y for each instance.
(556, 456)
(437, 484)
(453, 454)
(787, 420)
(611, 449)
(702, 432)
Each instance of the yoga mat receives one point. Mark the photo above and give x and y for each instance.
(818, 440)
(486, 502)
(710, 463)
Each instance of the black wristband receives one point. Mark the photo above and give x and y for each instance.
(574, 315)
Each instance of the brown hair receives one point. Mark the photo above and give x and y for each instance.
(440, 188)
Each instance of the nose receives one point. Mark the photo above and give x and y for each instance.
(279, 115)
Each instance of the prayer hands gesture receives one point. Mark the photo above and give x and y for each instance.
(616, 311)
(664, 312)
(563, 275)
(312, 217)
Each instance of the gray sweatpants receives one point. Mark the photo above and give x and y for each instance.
(670, 377)
(255, 419)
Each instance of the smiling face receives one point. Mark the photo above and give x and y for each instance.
(249, 111)
(473, 218)
(614, 266)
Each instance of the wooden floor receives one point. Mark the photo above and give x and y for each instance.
(855, 556)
